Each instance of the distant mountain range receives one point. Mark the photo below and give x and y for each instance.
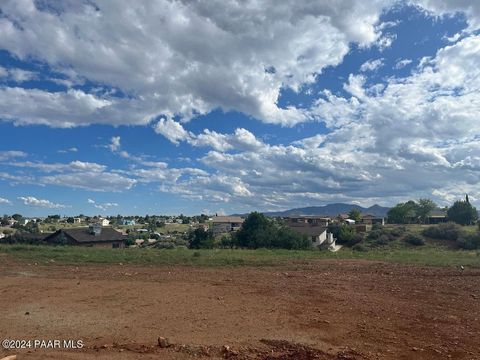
(331, 210)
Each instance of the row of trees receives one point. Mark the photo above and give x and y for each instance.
(461, 212)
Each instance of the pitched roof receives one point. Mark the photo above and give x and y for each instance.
(227, 219)
(83, 235)
(309, 230)
(437, 213)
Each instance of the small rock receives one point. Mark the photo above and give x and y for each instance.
(414, 348)
(27, 313)
(163, 342)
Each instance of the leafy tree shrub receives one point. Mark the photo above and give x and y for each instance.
(129, 241)
(258, 231)
(342, 232)
(469, 241)
(286, 238)
(462, 212)
(415, 240)
(200, 239)
(355, 214)
(346, 234)
(446, 231)
(226, 242)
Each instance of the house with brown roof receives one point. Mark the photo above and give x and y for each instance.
(94, 236)
(437, 216)
(308, 219)
(368, 219)
(226, 224)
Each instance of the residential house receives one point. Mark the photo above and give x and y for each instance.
(23, 221)
(369, 219)
(77, 220)
(437, 216)
(104, 222)
(316, 233)
(312, 220)
(225, 224)
(95, 236)
(128, 222)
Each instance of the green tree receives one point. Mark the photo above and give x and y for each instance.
(346, 234)
(354, 214)
(17, 217)
(424, 207)
(462, 212)
(257, 231)
(200, 239)
(403, 213)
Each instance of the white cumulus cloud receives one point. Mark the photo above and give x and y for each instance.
(33, 201)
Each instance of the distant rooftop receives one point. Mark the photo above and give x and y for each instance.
(227, 219)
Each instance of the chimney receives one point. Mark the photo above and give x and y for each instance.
(95, 229)
(329, 238)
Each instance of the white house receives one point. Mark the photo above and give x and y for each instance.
(104, 222)
(317, 234)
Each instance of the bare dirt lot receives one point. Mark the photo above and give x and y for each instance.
(324, 310)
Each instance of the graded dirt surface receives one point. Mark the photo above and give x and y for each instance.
(322, 310)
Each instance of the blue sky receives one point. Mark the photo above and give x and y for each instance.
(169, 107)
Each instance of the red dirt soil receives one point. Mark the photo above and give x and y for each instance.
(324, 310)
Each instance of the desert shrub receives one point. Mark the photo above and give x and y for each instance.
(469, 241)
(377, 226)
(397, 231)
(356, 239)
(165, 245)
(374, 234)
(446, 231)
(180, 242)
(415, 240)
(359, 247)
(382, 240)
